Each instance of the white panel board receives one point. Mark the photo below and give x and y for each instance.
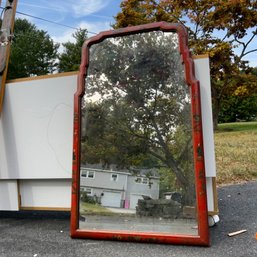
(9, 195)
(202, 73)
(36, 128)
(210, 195)
(45, 193)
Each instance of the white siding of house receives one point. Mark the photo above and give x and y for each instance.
(103, 179)
(133, 200)
(135, 188)
(111, 199)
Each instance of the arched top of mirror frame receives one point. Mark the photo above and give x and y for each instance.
(203, 233)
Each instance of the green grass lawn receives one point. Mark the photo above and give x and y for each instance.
(237, 126)
(236, 152)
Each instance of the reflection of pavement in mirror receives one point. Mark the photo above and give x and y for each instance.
(130, 223)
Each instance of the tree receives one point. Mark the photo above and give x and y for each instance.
(33, 52)
(254, 71)
(242, 103)
(235, 21)
(137, 107)
(71, 56)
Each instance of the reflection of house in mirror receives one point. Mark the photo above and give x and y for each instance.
(121, 189)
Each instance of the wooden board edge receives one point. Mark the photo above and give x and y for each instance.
(215, 195)
(212, 213)
(57, 75)
(38, 208)
(19, 193)
(200, 56)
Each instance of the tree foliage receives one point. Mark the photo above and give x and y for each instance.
(69, 59)
(223, 29)
(242, 103)
(33, 52)
(238, 108)
(254, 71)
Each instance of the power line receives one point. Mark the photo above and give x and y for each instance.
(53, 22)
(42, 19)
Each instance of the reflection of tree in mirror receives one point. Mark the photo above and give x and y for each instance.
(137, 107)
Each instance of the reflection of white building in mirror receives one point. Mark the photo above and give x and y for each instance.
(118, 189)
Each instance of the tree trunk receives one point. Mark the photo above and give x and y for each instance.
(216, 110)
(216, 101)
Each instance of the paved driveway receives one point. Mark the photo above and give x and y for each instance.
(36, 235)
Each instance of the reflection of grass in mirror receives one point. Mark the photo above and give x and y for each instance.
(94, 209)
(97, 209)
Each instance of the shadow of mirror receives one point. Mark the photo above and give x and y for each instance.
(136, 150)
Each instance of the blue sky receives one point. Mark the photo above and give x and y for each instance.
(94, 15)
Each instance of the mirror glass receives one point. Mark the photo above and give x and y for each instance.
(136, 150)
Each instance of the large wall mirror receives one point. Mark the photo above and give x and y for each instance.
(138, 164)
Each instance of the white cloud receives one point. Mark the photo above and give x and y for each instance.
(60, 10)
(77, 14)
(85, 7)
(36, 6)
(30, 19)
(64, 37)
(54, 10)
(90, 26)
(95, 27)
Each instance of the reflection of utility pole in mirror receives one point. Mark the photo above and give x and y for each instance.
(137, 168)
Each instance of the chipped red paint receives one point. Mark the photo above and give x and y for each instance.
(203, 234)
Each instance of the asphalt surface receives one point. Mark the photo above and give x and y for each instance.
(35, 234)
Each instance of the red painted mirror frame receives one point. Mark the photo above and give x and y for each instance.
(200, 182)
